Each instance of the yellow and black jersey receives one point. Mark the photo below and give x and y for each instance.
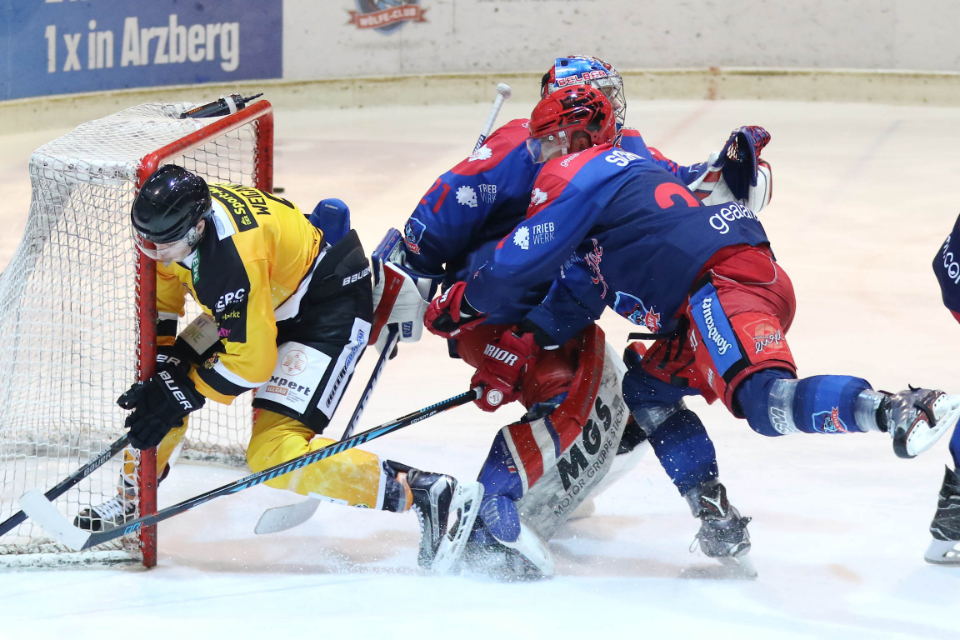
(250, 270)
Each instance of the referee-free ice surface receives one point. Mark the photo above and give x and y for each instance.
(863, 197)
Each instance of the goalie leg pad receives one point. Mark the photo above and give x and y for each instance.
(560, 458)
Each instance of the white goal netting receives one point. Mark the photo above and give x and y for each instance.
(69, 330)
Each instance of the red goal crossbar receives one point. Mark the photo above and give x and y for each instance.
(260, 114)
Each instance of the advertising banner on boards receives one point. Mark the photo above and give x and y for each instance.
(68, 46)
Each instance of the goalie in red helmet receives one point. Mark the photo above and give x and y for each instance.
(559, 118)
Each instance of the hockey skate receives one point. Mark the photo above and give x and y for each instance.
(945, 528)
(916, 418)
(723, 533)
(525, 559)
(112, 513)
(435, 497)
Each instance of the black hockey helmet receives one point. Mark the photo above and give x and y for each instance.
(171, 202)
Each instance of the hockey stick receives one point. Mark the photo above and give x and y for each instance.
(44, 513)
(69, 482)
(503, 92)
(289, 516)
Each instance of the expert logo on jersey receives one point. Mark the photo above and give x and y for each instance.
(386, 16)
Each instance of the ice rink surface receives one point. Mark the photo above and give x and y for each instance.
(863, 197)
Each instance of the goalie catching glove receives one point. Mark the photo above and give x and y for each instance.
(740, 157)
(504, 361)
(159, 405)
(450, 314)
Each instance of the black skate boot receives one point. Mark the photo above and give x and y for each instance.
(916, 418)
(723, 533)
(945, 528)
(112, 513)
(432, 495)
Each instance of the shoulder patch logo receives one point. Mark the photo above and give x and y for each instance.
(483, 153)
(538, 197)
(488, 193)
(522, 238)
(467, 196)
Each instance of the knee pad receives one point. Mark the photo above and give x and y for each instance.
(651, 401)
(753, 398)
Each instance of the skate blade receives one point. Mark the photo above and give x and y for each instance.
(741, 567)
(466, 501)
(922, 436)
(943, 552)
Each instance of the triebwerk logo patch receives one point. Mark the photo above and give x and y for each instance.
(386, 16)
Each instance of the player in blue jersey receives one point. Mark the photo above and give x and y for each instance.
(702, 276)
(945, 528)
(455, 229)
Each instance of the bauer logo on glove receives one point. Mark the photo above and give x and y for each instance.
(159, 405)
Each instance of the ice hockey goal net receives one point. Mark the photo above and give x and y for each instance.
(78, 315)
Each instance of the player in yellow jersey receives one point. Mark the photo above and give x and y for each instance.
(291, 316)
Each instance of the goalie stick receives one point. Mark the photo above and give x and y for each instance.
(278, 519)
(68, 483)
(45, 514)
(503, 92)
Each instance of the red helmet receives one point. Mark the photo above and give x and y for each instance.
(560, 114)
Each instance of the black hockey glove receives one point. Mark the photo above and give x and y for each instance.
(742, 157)
(159, 405)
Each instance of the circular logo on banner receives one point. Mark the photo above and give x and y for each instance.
(294, 363)
(386, 16)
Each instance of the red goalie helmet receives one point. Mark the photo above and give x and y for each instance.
(562, 113)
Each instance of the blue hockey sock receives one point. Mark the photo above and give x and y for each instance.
(685, 450)
(502, 487)
(775, 404)
(955, 447)
(676, 434)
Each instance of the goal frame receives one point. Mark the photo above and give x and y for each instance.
(261, 115)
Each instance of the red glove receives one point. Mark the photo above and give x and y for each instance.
(503, 362)
(450, 314)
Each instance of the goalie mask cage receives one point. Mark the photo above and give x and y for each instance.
(78, 317)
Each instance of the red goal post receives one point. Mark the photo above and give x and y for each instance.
(260, 115)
